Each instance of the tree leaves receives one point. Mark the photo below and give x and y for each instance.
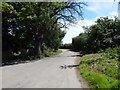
(105, 33)
(34, 26)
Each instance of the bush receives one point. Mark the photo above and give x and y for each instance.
(103, 34)
(111, 53)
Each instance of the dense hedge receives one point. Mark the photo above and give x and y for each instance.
(104, 34)
(66, 46)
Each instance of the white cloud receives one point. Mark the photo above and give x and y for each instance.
(87, 22)
(113, 13)
(76, 29)
(93, 9)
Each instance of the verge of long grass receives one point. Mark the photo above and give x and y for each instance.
(98, 80)
(101, 71)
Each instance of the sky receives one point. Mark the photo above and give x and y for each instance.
(94, 10)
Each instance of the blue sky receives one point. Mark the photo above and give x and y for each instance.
(94, 10)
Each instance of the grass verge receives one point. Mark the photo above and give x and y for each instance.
(45, 54)
(100, 71)
(42, 55)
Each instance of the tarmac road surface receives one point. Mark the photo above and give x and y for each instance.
(52, 72)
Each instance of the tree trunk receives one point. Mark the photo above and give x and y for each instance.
(37, 49)
(42, 49)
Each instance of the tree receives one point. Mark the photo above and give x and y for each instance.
(80, 42)
(32, 25)
(105, 33)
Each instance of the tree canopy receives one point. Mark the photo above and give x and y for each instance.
(105, 33)
(32, 27)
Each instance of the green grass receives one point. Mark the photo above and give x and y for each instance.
(42, 55)
(46, 54)
(100, 71)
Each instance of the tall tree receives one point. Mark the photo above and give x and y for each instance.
(30, 23)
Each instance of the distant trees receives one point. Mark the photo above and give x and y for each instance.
(32, 27)
(66, 46)
(80, 42)
(105, 33)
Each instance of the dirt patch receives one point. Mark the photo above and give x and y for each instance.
(84, 84)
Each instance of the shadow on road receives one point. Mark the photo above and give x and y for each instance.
(67, 66)
(73, 50)
(18, 62)
(74, 56)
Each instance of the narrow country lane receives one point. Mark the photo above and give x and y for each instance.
(44, 73)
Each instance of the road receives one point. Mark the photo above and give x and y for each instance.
(44, 73)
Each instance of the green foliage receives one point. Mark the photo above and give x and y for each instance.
(54, 37)
(47, 54)
(111, 53)
(16, 53)
(105, 33)
(97, 80)
(55, 52)
(35, 25)
(7, 7)
(35, 57)
(67, 46)
(80, 42)
(101, 70)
